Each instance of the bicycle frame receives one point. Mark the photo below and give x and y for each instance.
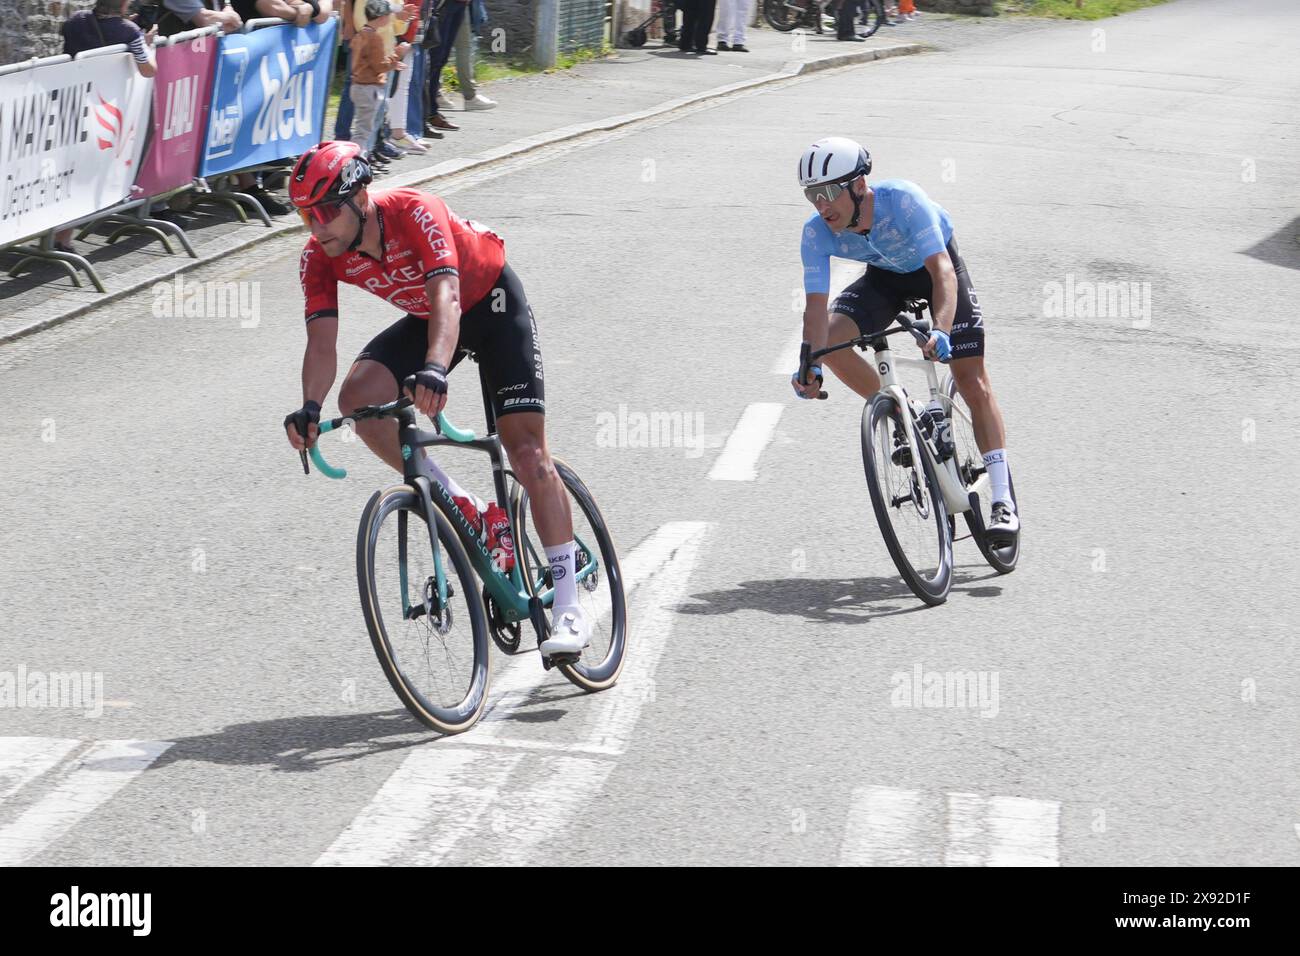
(508, 590)
(956, 495)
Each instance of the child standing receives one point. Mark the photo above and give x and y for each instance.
(371, 61)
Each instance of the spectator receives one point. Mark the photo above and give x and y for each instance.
(177, 16)
(298, 12)
(735, 15)
(371, 62)
(907, 8)
(697, 23)
(399, 108)
(466, 40)
(450, 16)
(105, 25)
(844, 26)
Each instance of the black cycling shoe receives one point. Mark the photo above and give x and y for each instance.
(1004, 525)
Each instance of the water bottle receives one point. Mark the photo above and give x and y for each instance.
(939, 429)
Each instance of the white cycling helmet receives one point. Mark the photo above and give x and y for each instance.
(833, 160)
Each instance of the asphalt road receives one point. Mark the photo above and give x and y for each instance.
(1141, 662)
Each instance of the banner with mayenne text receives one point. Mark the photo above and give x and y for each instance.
(182, 94)
(268, 99)
(70, 140)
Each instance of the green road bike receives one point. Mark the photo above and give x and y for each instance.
(420, 564)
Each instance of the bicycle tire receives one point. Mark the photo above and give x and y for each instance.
(780, 17)
(878, 7)
(1002, 560)
(590, 677)
(933, 590)
(445, 719)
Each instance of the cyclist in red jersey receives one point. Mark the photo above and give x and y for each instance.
(462, 299)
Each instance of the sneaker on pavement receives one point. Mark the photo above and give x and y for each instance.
(1004, 524)
(445, 103)
(389, 151)
(480, 102)
(570, 632)
(432, 133)
(409, 143)
(438, 121)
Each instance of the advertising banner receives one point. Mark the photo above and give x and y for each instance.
(71, 135)
(182, 94)
(268, 98)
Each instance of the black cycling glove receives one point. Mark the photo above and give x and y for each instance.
(433, 377)
(307, 415)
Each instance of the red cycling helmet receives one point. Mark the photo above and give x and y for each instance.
(329, 173)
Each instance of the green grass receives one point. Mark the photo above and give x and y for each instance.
(1066, 9)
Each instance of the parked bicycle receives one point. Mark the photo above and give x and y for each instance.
(786, 15)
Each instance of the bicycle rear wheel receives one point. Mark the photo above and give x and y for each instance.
(432, 647)
(970, 468)
(781, 17)
(599, 581)
(908, 503)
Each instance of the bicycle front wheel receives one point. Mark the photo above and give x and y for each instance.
(423, 611)
(908, 503)
(597, 574)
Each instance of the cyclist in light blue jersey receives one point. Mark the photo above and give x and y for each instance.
(906, 240)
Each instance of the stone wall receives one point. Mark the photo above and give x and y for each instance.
(30, 28)
(978, 8)
(515, 17)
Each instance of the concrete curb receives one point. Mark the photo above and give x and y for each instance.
(494, 157)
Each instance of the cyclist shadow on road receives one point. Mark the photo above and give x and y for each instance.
(304, 743)
(832, 600)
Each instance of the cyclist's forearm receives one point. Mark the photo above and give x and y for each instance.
(319, 368)
(444, 320)
(816, 321)
(943, 297)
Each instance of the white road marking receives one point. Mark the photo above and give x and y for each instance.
(440, 784)
(515, 687)
(104, 769)
(884, 828)
(455, 793)
(889, 827)
(521, 821)
(739, 458)
(23, 759)
(667, 560)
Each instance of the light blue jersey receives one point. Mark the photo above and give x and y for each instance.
(907, 227)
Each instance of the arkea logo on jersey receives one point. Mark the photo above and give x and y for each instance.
(429, 226)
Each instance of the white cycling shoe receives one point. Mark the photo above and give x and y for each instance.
(570, 632)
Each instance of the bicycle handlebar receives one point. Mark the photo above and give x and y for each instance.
(443, 425)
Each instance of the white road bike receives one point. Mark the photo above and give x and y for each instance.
(922, 471)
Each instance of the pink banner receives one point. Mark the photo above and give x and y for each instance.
(182, 98)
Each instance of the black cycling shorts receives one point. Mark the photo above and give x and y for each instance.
(499, 333)
(874, 300)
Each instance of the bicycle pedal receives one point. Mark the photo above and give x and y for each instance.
(560, 660)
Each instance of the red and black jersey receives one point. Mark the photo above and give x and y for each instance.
(421, 238)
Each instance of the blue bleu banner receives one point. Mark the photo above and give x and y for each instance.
(268, 98)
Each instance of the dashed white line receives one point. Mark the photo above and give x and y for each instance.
(891, 827)
(739, 458)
